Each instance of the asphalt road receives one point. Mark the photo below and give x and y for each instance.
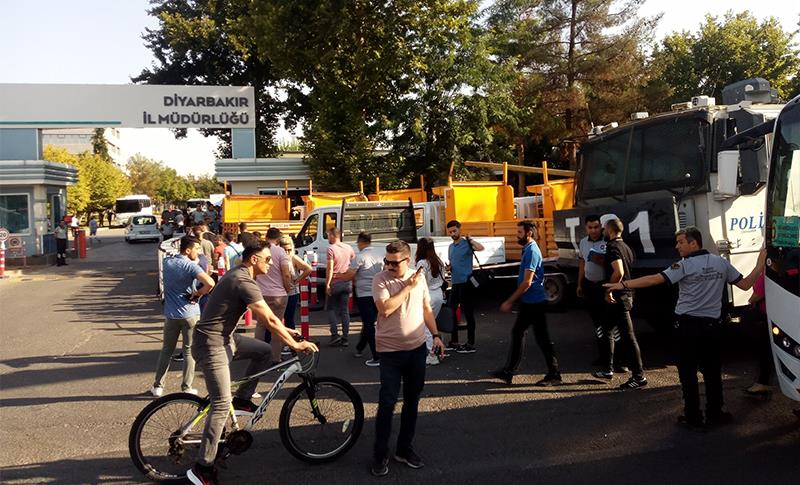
(79, 346)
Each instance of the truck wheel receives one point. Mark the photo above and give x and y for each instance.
(555, 289)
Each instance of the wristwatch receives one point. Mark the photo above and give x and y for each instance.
(436, 335)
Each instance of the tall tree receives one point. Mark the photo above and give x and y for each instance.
(201, 43)
(100, 144)
(722, 51)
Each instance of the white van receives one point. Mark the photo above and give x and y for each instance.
(142, 227)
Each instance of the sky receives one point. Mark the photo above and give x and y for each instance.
(99, 42)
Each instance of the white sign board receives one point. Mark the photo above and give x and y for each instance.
(3, 234)
(126, 105)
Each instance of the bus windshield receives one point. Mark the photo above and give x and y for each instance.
(783, 204)
(128, 206)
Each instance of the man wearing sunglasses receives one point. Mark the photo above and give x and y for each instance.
(404, 310)
(216, 344)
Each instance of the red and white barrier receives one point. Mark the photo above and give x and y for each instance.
(314, 286)
(304, 316)
(2, 259)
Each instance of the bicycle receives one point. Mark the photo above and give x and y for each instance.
(320, 421)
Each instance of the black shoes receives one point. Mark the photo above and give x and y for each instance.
(633, 383)
(380, 467)
(409, 458)
(466, 349)
(503, 375)
(550, 380)
(601, 374)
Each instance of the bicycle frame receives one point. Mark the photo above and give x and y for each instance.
(292, 366)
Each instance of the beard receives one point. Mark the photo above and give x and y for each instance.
(522, 241)
(455, 238)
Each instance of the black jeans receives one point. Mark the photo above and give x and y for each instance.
(408, 366)
(757, 321)
(532, 314)
(594, 295)
(699, 343)
(618, 315)
(463, 295)
(369, 313)
(61, 251)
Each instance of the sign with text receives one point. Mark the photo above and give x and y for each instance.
(126, 106)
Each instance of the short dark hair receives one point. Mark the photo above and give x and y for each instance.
(188, 242)
(198, 232)
(528, 226)
(364, 237)
(691, 233)
(274, 233)
(228, 236)
(253, 246)
(398, 247)
(454, 223)
(616, 225)
(242, 226)
(591, 218)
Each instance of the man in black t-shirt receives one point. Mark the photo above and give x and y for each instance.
(215, 344)
(618, 261)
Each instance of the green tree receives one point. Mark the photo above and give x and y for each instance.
(723, 51)
(144, 174)
(99, 143)
(201, 43)
(205, 185)
(77, 195)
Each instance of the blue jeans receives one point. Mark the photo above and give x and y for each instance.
(369, 313)
(291, 311)
(407, 366)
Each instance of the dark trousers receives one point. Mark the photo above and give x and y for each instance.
(757, 322)
(61, 251)
(699, 342)
(369, 313)
(531, 315)
(409, 367)
(463, 295)
(594, 295)
(291, 310)
(618, 315)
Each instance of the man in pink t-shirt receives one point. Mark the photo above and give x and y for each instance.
(404, 311)
(338, 289)
(274, 285)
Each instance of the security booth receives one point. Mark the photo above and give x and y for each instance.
(33, 195)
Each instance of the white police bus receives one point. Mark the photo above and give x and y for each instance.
(127, 206)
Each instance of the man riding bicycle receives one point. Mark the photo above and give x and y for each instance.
(216, 344)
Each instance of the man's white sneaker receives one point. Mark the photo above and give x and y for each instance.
(157, 391)
(431, 360)
(191, 390)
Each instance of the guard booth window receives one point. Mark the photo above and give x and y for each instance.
(14, 213)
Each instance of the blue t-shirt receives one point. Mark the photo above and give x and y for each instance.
(460, 256)
(179, 279)
(532, 260)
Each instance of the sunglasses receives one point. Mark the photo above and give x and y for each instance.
(265, 258)
(393, 263)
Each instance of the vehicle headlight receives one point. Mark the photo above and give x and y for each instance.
(785, 342)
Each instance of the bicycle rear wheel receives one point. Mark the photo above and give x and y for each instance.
(323, 429)
(156, 445)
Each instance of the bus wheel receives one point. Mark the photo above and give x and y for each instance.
(555, 289)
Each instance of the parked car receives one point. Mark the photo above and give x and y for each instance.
(142, 227)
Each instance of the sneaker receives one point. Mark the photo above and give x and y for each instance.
(373, 363)
(409, 458)
(601, 374)
(358, 354)
(344, 342)
(335, 340)
(621, 369)
(198, 476)
(256, 395)
(431, 360)
(178, 357)
(191, 390)
(157, 391)
(453, 346)
(718, 419)
(549, 381)
(380, 467)
(633, 383)
(503, 375)
(466, 349)
(245, 406)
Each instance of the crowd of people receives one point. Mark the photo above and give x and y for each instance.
(404, 304)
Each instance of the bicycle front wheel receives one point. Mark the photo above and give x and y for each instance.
(165, 437)
(322, 428)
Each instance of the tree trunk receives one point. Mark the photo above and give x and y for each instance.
(568, 115)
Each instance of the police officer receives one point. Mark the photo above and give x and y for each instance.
(591, 275)
(701, 279)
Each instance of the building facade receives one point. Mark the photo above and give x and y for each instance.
(79, 140)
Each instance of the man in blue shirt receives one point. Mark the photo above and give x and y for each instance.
(533, 301)
(460, 254)
(181, 310)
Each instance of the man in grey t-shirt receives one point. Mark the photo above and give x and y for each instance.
(701, 279)
(591, 276)
(215, 345)
(362, 271)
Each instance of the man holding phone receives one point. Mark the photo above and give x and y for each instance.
(404, 310)
(461, 253)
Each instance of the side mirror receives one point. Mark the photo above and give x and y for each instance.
(727, 174)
